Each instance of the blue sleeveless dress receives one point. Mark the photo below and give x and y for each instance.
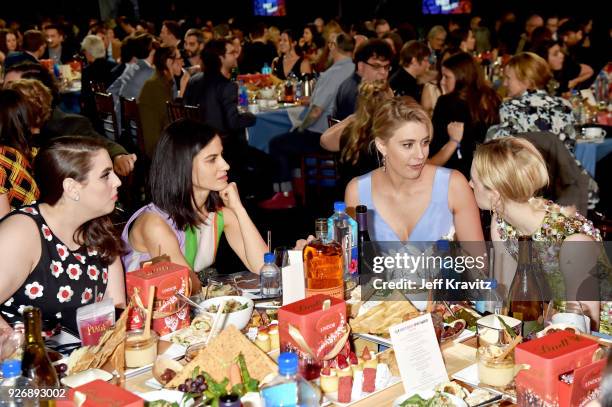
(436, 221)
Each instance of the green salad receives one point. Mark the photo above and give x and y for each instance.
(438, 400)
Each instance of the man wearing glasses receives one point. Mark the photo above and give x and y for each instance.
(372, 63)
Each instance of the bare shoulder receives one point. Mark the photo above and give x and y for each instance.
(16, 234)
(351, 193)
(149, 224)
(18, 224)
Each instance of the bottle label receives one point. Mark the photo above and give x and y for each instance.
(284, 394)
(336, 292)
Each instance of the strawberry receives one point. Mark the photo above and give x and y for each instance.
(342, 363)
(366, 354)
(326, 371)
(353, 358)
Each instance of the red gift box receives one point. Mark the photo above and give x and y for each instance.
(550, 357)
(103, 394)
(169, 314)
(314, 331)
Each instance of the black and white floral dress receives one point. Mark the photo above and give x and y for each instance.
(62, 281)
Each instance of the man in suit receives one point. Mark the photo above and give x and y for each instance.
(57, 50)
(34, 45)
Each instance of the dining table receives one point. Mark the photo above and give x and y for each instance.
(272, 122)
(589, 152)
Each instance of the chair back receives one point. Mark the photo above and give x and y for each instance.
(177, 110)
(319, 174)
(105, 111)
(331, 121)
(96, 86)
(132, 126)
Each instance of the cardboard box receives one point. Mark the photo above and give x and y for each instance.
(311, 330)
(550, 357)
(103, 394)
(169, 314)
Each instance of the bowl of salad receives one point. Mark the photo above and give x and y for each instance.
(429, 399)
(236, 311)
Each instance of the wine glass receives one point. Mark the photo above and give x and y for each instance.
(569, 313)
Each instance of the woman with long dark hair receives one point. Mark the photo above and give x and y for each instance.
(8, 43)
(463, 114)
(291, 59)
(61, 253)
(192, 205)
(17, 186)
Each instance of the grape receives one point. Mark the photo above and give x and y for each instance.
(200, 379)
(62, 367)
(188, 382)
(182, 387)
(203, 387)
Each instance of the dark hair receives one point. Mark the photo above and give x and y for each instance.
(372, 48)
(380, 21)
(4, 32)
(171, 169)
(397, 41)
(162, 54)
(14, 126)
(482, 100)
(30, 70)
(195, 32)
(257, 30)
(346, 44)
(543, 47)
(143, 44)
(56, 27)
(71, 157)
(33, 40)
(173, 27)
(457, 36)
(317, 38)
(538, 36)
(414, 49)
(568, 27)
(212, 53)
(97, 28)
(128, 49)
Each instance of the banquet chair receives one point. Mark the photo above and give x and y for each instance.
(178, 110)
(135, 189)
(105, 111)
(132, 127)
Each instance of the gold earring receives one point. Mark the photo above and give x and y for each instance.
(384, 163)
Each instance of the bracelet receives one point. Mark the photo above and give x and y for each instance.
(459, 155)
(456, 142)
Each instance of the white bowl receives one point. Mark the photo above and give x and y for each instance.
(86, 376)
(239, 319)
(427, 394)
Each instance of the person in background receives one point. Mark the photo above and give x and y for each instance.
(468, 107)
(534, 21)
(258, 52)
(396, 43)
(112, 46)
(552, 23)
(462, 39)
(436, 38)
(62, 251)
(482, 34)
(34, 45)
(159, 89)
(17, 185)
(311, 43)
(61, 123)
(319, 23)
(566, 75)
(414, 60)
(273, 36)
(193, 44)
(407, 198)
(285, 148)
(192, 205)
(432, 88)
(8, 43)
(57, 49)
(290, 59)
(170, 33)
(97, 73)
(372, 63)
(127, 56)
(506, 174)
(381, 27)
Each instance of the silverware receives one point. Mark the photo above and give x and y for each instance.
(490, 401)
(449, 309)
(190, 302)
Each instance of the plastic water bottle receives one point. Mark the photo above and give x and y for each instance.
(266, 70)
(12, 379)
(289, 388)
(243, 96)
(495, 302)
(270, 277)
(343, 229)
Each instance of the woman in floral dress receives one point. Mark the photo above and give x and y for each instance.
(505, 175)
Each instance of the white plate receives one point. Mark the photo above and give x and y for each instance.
(469, 376)
(86, 376)
(332, 398)
(457, 402)
(172, 396)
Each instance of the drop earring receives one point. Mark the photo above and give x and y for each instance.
(384, 163)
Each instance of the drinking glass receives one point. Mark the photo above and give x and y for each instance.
(568, 313)
(281, 255)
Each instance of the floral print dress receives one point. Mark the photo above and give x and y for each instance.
(555, 228)
(62, 281)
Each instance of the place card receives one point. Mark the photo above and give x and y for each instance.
(293, 278)
(418, 354)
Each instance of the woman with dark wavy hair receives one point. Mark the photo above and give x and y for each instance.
(193, 204)
(61, 253)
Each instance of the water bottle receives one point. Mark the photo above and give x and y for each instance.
(289, 388)
(266, 70)
(343, 229)
(12, 379)
(243, 96)
(270, 277)
(495, 302)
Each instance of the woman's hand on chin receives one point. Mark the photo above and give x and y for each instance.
(230, 196)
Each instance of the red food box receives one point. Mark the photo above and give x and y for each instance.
(169, 314)
(103, 394)
(315, 328)
(550, 357)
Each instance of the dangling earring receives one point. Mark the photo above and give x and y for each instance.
(77, 197)
(384, 163)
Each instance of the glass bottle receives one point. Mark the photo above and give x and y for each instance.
(343, 229)
(363, 236)
(323, 264)
(35, 363)
(289, 388)
(12, 379)
(525, 298)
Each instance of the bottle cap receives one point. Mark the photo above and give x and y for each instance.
(339, 206)
(492, 281)
(287, 363)
(361, 209)
(11, 368)
(443, 245)
(269, 258)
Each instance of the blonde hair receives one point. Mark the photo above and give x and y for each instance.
(38, 98)
(371, 95)
(531, 69)
(395, 112)
(511, 166)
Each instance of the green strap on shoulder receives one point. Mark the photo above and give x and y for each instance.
(220, 225)
(191, 245)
